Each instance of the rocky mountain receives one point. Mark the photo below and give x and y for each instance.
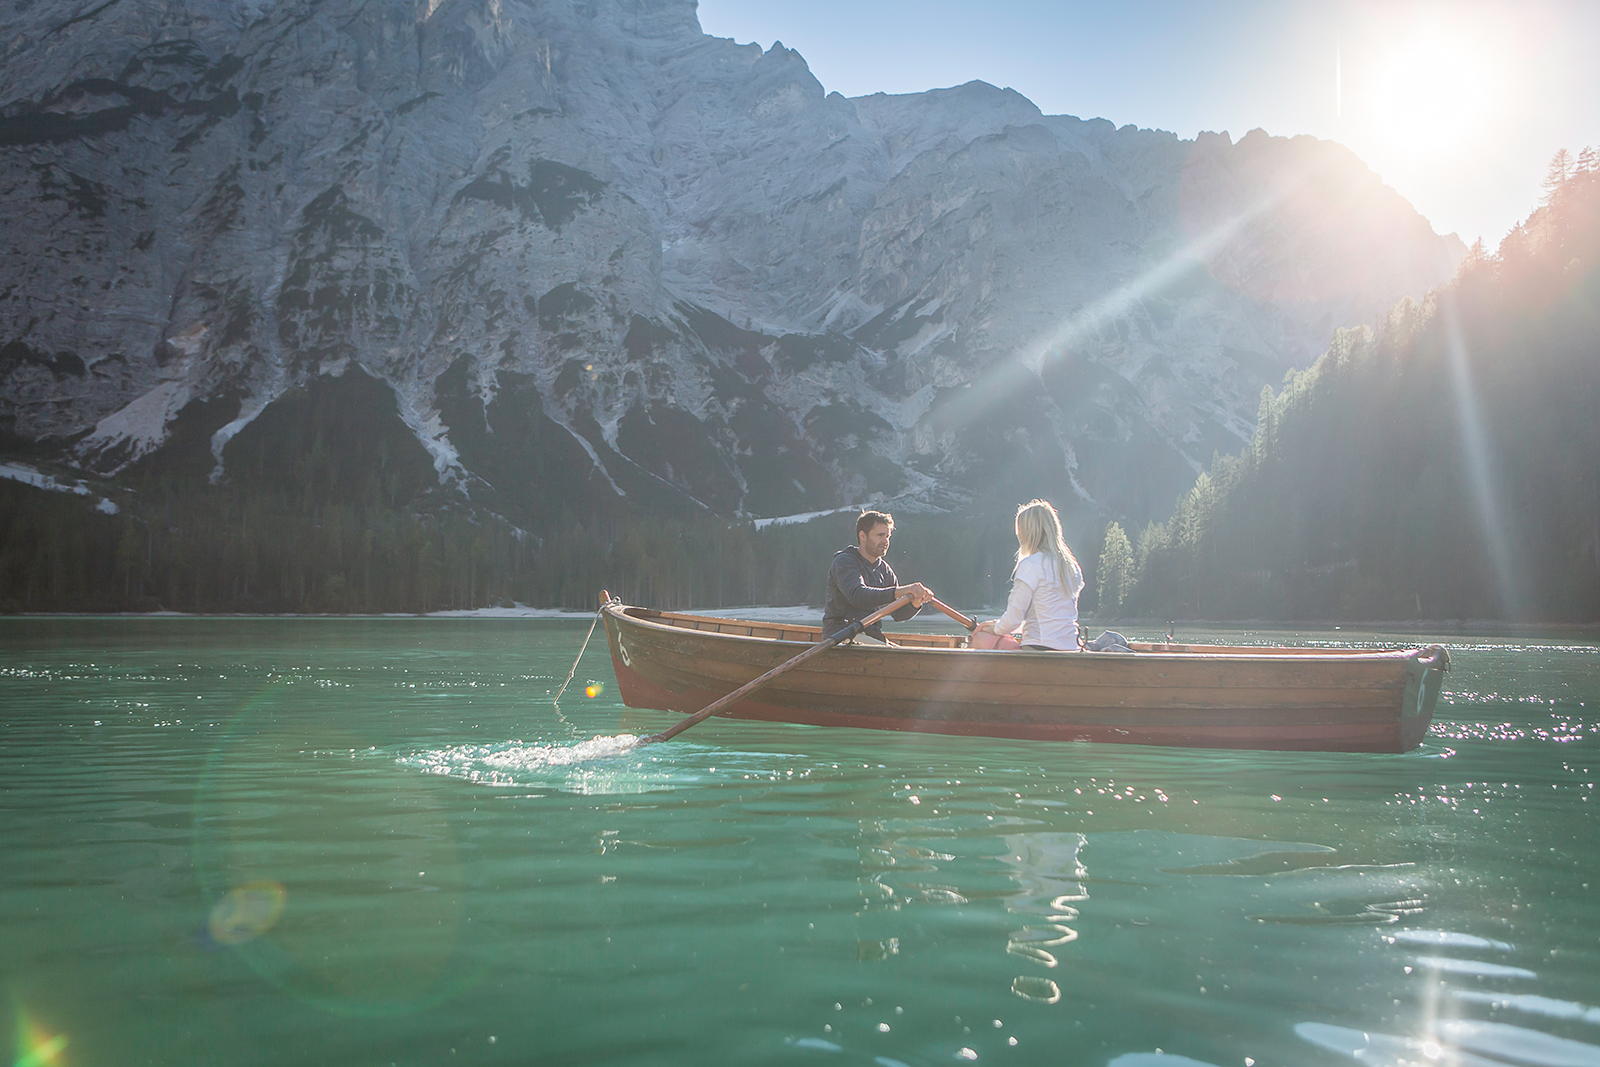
(578, 246)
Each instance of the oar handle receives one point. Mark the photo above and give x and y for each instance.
(756, 683)
(969, 623)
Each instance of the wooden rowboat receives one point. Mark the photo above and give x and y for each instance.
(1207, 696)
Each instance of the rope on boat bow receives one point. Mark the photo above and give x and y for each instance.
(605, 599)
(1434, 656)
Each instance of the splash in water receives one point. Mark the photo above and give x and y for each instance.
(594, 765)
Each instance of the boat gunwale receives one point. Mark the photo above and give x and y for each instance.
(1163, 653)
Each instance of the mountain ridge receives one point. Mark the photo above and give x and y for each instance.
(724, 287)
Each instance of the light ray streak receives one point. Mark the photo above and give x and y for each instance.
(1338, 78)
(1475, 453)
(993, 385)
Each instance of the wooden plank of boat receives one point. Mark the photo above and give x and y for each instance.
(1210, 696)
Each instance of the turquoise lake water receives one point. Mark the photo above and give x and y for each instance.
(374, 841)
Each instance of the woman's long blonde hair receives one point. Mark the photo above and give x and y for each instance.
(1039, 530)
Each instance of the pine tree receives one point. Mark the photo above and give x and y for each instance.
(1559, 174)
(1263, 445)
(1116, 568)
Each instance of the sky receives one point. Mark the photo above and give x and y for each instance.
(1459, 106)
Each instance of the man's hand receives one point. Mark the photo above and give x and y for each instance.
(920, 593)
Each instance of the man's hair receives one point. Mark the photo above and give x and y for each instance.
(868, 519)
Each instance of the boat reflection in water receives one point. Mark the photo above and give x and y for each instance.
(1192, 933)
(1052, 877)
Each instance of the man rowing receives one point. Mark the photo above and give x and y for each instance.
(860, 580)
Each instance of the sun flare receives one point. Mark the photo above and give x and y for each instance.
(1431, 93)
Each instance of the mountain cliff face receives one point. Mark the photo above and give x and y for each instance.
(577, 246)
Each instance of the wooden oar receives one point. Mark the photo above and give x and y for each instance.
(783, 668)
(970, 624)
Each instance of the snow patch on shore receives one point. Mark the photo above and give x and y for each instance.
(18, 472)
(516, 611)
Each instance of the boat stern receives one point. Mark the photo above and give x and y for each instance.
(1424, 678)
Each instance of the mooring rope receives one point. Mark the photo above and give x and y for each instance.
(579, 660)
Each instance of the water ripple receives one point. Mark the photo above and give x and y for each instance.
(1452, 965)
(1459, 1041)
(1448, 939)
(1533, 1004)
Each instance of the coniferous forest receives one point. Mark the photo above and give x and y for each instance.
(203, 549)
(1440, 463)
(1443, 463)
(331, 505)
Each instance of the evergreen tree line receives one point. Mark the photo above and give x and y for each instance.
(216, 550)
(1442, 463)
(327, 503)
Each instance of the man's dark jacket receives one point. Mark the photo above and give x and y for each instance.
(856, 589)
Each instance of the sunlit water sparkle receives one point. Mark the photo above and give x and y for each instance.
(514, 763)
(376, 841)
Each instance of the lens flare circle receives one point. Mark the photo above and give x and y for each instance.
(36, 1045)
(312, 860)
(247, 912)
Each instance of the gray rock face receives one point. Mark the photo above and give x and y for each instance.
(718, 284)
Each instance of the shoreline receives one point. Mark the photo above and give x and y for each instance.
(810, 614)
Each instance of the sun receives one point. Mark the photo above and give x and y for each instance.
(1431, 93)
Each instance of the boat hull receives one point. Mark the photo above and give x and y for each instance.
(1190, 696)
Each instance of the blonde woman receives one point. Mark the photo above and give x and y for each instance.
(1044, 586)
